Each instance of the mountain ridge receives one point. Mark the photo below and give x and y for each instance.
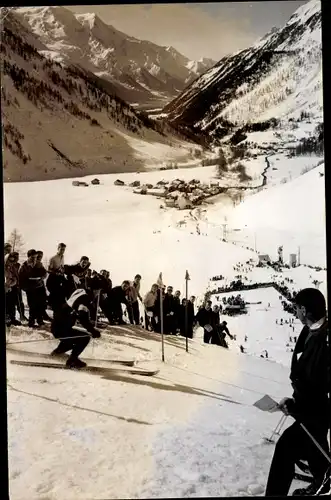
(79, 124)
(140, 70)
(258, 83)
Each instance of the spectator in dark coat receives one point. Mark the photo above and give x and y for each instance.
(105, 289)
(215, 323)
(177, 309)
(181, 318)
(77, 274)
(12, 289)
(157, 308)
(205, 320)
(117, 297)
(30, 282)
(169, 310)
(310, 377)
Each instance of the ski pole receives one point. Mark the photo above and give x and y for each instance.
(316, 443)
(281, 425)
(278, 427)
(48, 340)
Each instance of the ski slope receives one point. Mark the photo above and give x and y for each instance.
(189, 431)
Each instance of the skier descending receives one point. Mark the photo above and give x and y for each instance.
(77, 307)
(309, 405)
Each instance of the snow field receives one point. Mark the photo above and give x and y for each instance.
(117, 229)
(104, 429)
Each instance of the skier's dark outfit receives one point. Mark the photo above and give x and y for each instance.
(64, 320)
(310, 380)
(57, 285)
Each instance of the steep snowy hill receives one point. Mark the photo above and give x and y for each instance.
(279, 215)
(78, 122)
(279, 77)
(141, 71)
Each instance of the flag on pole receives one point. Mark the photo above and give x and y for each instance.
(160, 285)
(187, 276)
(160, 281)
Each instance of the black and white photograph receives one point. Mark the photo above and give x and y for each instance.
(165, 263)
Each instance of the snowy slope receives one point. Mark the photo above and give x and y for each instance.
(292, 214)
(191, 431)
(140, 70)
(278, 77)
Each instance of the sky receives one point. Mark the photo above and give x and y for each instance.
(197, 29)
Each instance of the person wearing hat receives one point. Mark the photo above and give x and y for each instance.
(76, 308)
(309, 405)
(29, 282)
(11, 287)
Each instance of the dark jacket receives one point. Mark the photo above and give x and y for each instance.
(177, 305)
(80, 273)
(66, 316)
(27, 277)
(204, 317)
(117, 294)
(190, 313)
(310, 376)
(169, 304)
(39, 272)
(215, 319)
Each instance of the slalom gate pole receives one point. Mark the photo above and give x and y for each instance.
(96, 314)
(186, 314)
(161, 322)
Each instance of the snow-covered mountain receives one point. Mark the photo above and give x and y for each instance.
(78, 123)
(141, 71)
(280, 77)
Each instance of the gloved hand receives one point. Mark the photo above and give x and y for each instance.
(286, 405)
(95, 334)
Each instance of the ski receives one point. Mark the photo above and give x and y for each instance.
(124, 362)
(90, 369)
